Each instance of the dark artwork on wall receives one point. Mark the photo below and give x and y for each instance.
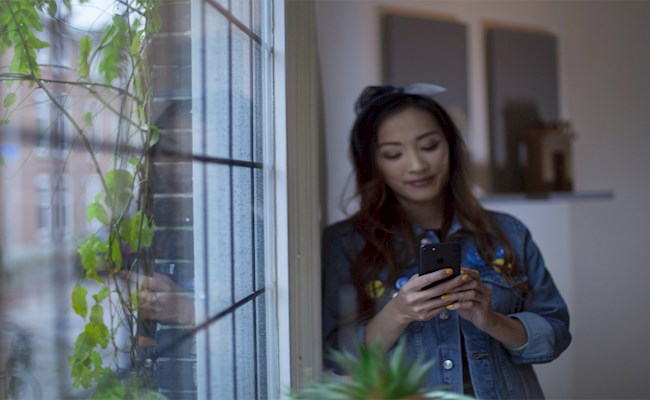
(428, 50)
(522, 97)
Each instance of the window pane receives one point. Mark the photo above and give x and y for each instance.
(260, 318)
(243, 232)
(221, 359)
(217, 88)
(259, 61)
(241, 10)
(259, 230)
(241, 96)
(257, 16)
(204, 197)
(219, 238)
(235, 118)
(245, 321)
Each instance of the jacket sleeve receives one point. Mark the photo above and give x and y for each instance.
(545, 316)
(340, 332)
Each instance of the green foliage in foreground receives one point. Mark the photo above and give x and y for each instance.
(113, 71)
(374, 374)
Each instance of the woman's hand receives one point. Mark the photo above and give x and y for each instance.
(413, 303)
(472, 300)
(159, 298)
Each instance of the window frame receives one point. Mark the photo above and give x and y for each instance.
(273, 190)
(294, 284)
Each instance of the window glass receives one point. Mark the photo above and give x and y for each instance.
(125, 270)
(232, 183)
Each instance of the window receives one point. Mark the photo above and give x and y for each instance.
(54, 204)
(220, 222)
(233, 191)
(42, 106)
(43, 207)
(61, 129)
(62, 206)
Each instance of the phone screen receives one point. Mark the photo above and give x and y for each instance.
(436, 256)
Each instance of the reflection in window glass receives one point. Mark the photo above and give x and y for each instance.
(196, 299)
(231, 190)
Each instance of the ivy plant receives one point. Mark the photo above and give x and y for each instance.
(112, 70)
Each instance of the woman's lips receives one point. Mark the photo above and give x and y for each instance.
(421, 182)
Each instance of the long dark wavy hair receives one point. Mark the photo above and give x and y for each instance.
(380, 219)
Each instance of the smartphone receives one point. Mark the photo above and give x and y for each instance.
(436, 256)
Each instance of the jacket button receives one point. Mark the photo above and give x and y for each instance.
(444, 315)
(425, 240)
(447, 364)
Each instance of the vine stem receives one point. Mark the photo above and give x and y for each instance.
(49, 94)
(30, 77)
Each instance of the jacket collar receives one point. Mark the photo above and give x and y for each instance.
(454, 228)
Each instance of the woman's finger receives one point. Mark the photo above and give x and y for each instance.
(420, 282)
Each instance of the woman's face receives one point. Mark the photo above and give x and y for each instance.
(413, 157)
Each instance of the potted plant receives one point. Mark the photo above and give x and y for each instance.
(375, 374)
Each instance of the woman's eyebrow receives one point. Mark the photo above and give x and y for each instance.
(420, 137)
(427, 134)
(389, 144)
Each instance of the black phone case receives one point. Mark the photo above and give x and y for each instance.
(436, 256)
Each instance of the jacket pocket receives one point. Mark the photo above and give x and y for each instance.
(506, 298)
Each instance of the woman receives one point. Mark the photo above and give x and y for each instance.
(486, 327)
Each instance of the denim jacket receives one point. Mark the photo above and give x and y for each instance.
(496, 372)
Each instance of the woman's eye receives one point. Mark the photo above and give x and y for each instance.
(431, 147)
(391, 156)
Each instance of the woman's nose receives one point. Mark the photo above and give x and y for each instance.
(417, 163)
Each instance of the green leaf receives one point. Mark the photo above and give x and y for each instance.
(85, 46)
(115, 45)
(89, 250)
(97, 333)
(103, 293)
(134, 161)
(119, 183)
(155, 135)
(116, 252)
(136, 43)
(88, 253)
(96, 210)
(86, 364)
(10, 99)
(17, 62)
(52, 7)
(82, 348)
(97, 314)
(397, 359)
(79, 304)
(92, 275)
(93, 333)
(4, 122)
(137, 231)
(88, 117)
(109, 387)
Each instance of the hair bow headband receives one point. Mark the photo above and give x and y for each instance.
(373, 93)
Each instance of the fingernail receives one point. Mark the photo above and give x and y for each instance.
(445, 296)
(451, 306)
(465, 278)
(449, 271)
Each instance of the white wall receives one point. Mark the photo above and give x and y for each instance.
(594, 249)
